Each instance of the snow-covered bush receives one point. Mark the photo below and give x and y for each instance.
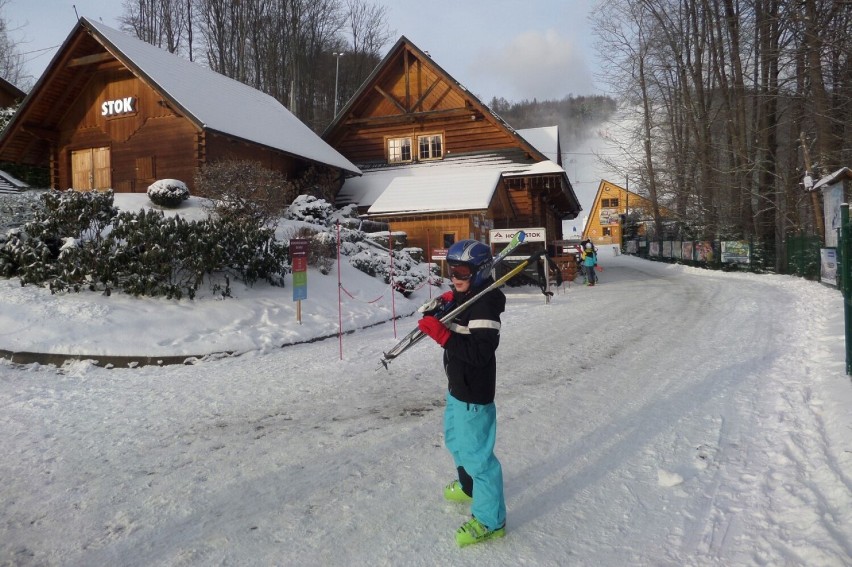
(408, 273)
(308, 208)
(322, 252)
(347, 217)
(79, 241)
(6, 115)
(169, 193)
(16, 209)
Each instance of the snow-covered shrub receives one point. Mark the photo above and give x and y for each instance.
(399, 238)
(323, 248)
(308, 208)
(169, 193)
(16, 209)
(347, 216)
(70, 247)
(408, 272)
(6, 115)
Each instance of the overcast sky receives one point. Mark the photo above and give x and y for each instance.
(517, 49)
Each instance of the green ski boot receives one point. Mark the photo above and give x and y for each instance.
(454, 493)
(473, 531)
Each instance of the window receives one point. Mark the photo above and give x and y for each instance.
(609, 203)
(399, 150)
(449, 239)
(607, 231)
(431, 147)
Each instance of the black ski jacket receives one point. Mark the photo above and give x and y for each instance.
(469, 354)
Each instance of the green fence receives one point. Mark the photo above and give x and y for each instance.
(803, 255)
(844, 251)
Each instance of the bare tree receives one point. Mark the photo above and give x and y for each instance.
(164, 23)
(11, 58)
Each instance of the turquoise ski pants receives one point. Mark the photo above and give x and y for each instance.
(470, 431)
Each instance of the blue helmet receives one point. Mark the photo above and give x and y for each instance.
(474, 254)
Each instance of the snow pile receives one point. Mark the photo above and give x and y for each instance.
(168, 192)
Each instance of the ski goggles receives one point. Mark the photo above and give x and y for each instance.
(461, 272)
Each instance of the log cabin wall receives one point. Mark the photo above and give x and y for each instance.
(430, 232)
(147, 143)
(419, 102)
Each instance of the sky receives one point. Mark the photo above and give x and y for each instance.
(517, 49)
(669, 416)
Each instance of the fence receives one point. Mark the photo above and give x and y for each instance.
(802, 254)
(844, 250)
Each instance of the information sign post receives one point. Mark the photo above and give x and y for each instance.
(299, 248)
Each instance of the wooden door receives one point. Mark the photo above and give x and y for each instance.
(101, 168)
(91, 169)
(82, 178)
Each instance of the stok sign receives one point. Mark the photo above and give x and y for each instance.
(118, 106)
(497, 236)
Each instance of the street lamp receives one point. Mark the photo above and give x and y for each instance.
(336, 75)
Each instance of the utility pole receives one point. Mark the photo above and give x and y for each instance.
(336, 75)
(809, 182)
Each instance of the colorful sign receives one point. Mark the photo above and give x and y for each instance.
(735, 252)
(299, 248)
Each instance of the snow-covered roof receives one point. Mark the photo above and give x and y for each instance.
(219, 103)
(8, 181)
(540, 168)
(460, 190)
(832, 178)
(464, 171)
(545, 140)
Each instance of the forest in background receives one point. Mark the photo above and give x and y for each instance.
(734, 103)
(730, 104)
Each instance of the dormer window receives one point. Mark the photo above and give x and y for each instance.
(399, 150)
(431, 147)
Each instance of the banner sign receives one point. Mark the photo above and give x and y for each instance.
(828, 266)
(299, 248)
(735, 252)
(439, 254)
(501, 236)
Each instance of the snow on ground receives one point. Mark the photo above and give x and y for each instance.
(669, 416)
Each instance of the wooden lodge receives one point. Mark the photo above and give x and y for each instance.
(111, 111)
(611, 206)
(438, 164)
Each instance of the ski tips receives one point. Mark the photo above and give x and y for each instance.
(521, 235)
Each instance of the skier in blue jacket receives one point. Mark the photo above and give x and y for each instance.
(590, 260)
(470, 418)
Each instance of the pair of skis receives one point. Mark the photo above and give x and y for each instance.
(416, 335)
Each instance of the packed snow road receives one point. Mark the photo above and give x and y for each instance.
(668, 416)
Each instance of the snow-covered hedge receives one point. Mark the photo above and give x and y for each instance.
(79, 240)
(169, 193)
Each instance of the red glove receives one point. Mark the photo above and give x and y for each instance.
(447, 296)
(431, 326)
